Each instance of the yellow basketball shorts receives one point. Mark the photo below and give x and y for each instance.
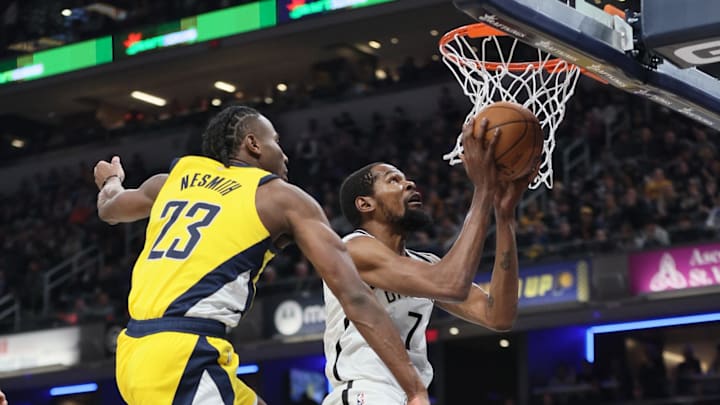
(179, 361)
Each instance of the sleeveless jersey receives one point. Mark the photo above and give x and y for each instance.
(205, 246)
(350, 358)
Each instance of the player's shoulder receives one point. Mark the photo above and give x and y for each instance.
(280, 196)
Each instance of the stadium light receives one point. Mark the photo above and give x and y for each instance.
(247, 369)
(224, 86)
(148, 98)
(73, 389)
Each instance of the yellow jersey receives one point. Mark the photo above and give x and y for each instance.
(205, 246)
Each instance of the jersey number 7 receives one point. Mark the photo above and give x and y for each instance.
(205, 214)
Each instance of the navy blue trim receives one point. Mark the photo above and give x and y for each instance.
(267, 178)
(250, 259)
(173, 163)
(198, 326)
(239, 164)
(203, 358)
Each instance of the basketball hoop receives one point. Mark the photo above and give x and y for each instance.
(544, 85)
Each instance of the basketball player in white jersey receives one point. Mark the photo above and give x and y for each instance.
(384, 207)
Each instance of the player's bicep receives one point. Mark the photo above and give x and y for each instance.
(133, 204)
(152, 186)
(380, 267)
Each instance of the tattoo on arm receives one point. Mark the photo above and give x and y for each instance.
(490, 305)
(505, 262)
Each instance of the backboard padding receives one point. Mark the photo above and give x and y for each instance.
(566, 33)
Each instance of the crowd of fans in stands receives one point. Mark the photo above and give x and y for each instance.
(652, 181)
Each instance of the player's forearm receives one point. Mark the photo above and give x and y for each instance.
(380, 333)
(503, 291)
(461, 262)
(118, 205)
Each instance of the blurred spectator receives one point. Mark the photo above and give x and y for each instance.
(653, 235)
(686, 372)
(652, 375)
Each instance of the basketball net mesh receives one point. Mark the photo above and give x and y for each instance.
(544, 87)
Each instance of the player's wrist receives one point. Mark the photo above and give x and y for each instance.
(111, 178)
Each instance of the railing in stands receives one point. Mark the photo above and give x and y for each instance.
(10, 311)
(75, 265)
(573, 155)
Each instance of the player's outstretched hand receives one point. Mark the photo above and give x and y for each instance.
(509, 194)
(3, 400)
(478, 156)
(105, 170)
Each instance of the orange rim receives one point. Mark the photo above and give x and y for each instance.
(481, 30)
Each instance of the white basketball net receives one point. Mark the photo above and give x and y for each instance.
(543, 86)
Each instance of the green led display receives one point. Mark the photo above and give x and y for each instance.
(58, 60)
(289, 10)
(203, 27)
(236, 20)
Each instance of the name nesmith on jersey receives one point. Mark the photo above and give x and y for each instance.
(218, 183)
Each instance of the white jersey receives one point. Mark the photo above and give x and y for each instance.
(350, 358)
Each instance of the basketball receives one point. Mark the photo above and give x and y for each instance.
(519, 148)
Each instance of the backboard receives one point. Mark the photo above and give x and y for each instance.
(610, 47)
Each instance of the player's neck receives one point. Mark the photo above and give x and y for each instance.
(390, 237)
(245, 159)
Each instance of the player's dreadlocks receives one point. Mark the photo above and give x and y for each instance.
(225, 132)
(358, 184)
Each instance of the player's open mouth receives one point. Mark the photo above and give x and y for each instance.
(415, 200)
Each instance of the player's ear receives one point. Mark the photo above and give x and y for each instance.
(252, 144)
(365, 204)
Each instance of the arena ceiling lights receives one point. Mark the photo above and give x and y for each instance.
(148, 98)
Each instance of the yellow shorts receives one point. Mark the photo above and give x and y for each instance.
(161, 361)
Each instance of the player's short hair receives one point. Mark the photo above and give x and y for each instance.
(225, 132)
(358, 184)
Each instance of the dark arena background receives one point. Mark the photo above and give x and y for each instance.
(620, 259)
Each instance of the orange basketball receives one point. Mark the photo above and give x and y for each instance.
(519, 148)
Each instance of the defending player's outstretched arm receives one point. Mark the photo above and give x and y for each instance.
(497, 308)
(116, 204)
(311, 230)
(450, 278)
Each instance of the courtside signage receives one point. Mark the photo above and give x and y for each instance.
(549, 284)
(674, 269)
(54, 347)
(296, 316)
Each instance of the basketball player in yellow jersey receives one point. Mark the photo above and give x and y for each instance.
(214, 223)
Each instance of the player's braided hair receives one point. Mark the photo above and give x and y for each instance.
(358, 184)
(225, 132)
